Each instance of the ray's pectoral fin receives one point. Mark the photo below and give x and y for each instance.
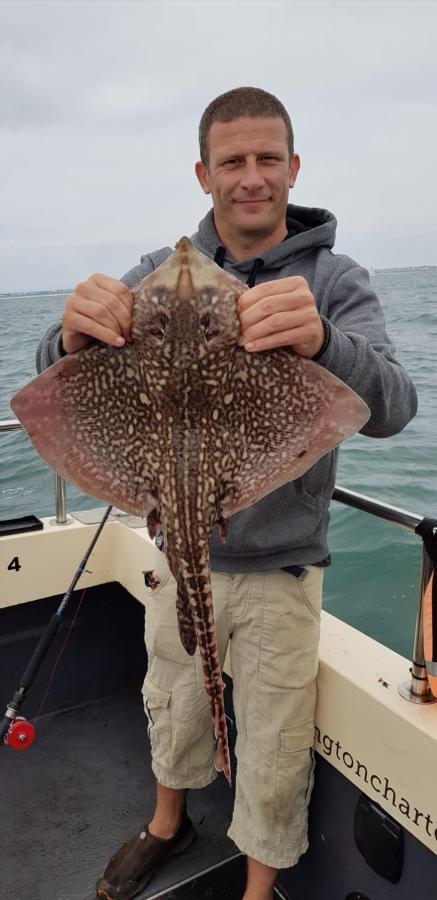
(305, 412)
(88, 417)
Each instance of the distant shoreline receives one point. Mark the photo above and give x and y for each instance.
(35, 293)
(70, 290)
(405, 269)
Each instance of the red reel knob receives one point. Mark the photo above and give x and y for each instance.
(21, 735)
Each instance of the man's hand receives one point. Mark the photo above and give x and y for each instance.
(99, 309)
(281, 313)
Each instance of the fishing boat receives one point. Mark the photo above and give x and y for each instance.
(76, 777)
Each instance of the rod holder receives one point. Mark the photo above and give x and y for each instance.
(417, 690)
(61, 507)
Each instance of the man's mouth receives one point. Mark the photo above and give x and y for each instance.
(252, 202)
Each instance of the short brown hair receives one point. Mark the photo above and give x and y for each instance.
(242, 101)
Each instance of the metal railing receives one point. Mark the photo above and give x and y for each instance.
(417, 690)
(10, 425)
(60, 500)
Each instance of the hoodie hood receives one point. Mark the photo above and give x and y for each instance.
(308, 228)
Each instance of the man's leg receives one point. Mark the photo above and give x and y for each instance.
(260, 880)
(181, 738)
(274, 658)
(175, 700)
(133, 865)
(170, 805)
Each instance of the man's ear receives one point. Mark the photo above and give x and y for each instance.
(294, 169)
(202, 176)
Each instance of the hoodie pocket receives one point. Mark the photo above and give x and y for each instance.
(285, 518)
(318, 482)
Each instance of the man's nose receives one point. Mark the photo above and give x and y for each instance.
(252, 178)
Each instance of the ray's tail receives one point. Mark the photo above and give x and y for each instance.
(222, 762)
(198, 593)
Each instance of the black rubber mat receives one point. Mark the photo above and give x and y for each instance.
(227, 881)
(80, 791)
(86, 784)
(224, 881)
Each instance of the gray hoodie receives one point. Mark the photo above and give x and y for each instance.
(289, 526)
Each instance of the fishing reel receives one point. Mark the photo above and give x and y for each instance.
(20, 734)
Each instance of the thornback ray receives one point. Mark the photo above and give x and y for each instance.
(182, 425)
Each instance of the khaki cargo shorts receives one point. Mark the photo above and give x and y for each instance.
(270, 621)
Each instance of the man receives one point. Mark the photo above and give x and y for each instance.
(267, 578)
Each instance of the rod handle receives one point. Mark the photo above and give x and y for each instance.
(40, 651)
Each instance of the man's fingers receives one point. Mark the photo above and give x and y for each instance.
(82, 324)
(289, 338)
(269, 289)
(94, 302)
(112, 286)
(110, 315)
(264, 308)
(103, 299)
(99, 308)
(280, 321)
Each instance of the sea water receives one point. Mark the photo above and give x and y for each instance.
(372, 583)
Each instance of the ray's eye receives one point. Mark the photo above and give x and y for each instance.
(159, 326)
(208, 326)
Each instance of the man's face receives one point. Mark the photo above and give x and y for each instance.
(249, 174)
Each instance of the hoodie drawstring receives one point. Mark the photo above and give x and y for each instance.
(219, 257)
(257, 265)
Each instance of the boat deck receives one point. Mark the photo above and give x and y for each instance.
(86, 785)
(83, 788)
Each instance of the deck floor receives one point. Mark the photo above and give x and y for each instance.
(81, 790)
(86, 785)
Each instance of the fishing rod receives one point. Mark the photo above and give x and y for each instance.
(16, 731)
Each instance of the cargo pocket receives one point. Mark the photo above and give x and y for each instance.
(295, 778)
(192, 743)
(157, 709)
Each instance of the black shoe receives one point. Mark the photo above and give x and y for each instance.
(131, 868)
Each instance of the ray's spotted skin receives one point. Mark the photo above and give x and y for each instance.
(183, 426)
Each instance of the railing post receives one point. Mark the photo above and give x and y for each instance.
(417, 690)
(61, 508)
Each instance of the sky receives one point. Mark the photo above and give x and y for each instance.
(101, 101)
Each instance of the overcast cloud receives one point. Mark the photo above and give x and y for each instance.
(100, 107)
